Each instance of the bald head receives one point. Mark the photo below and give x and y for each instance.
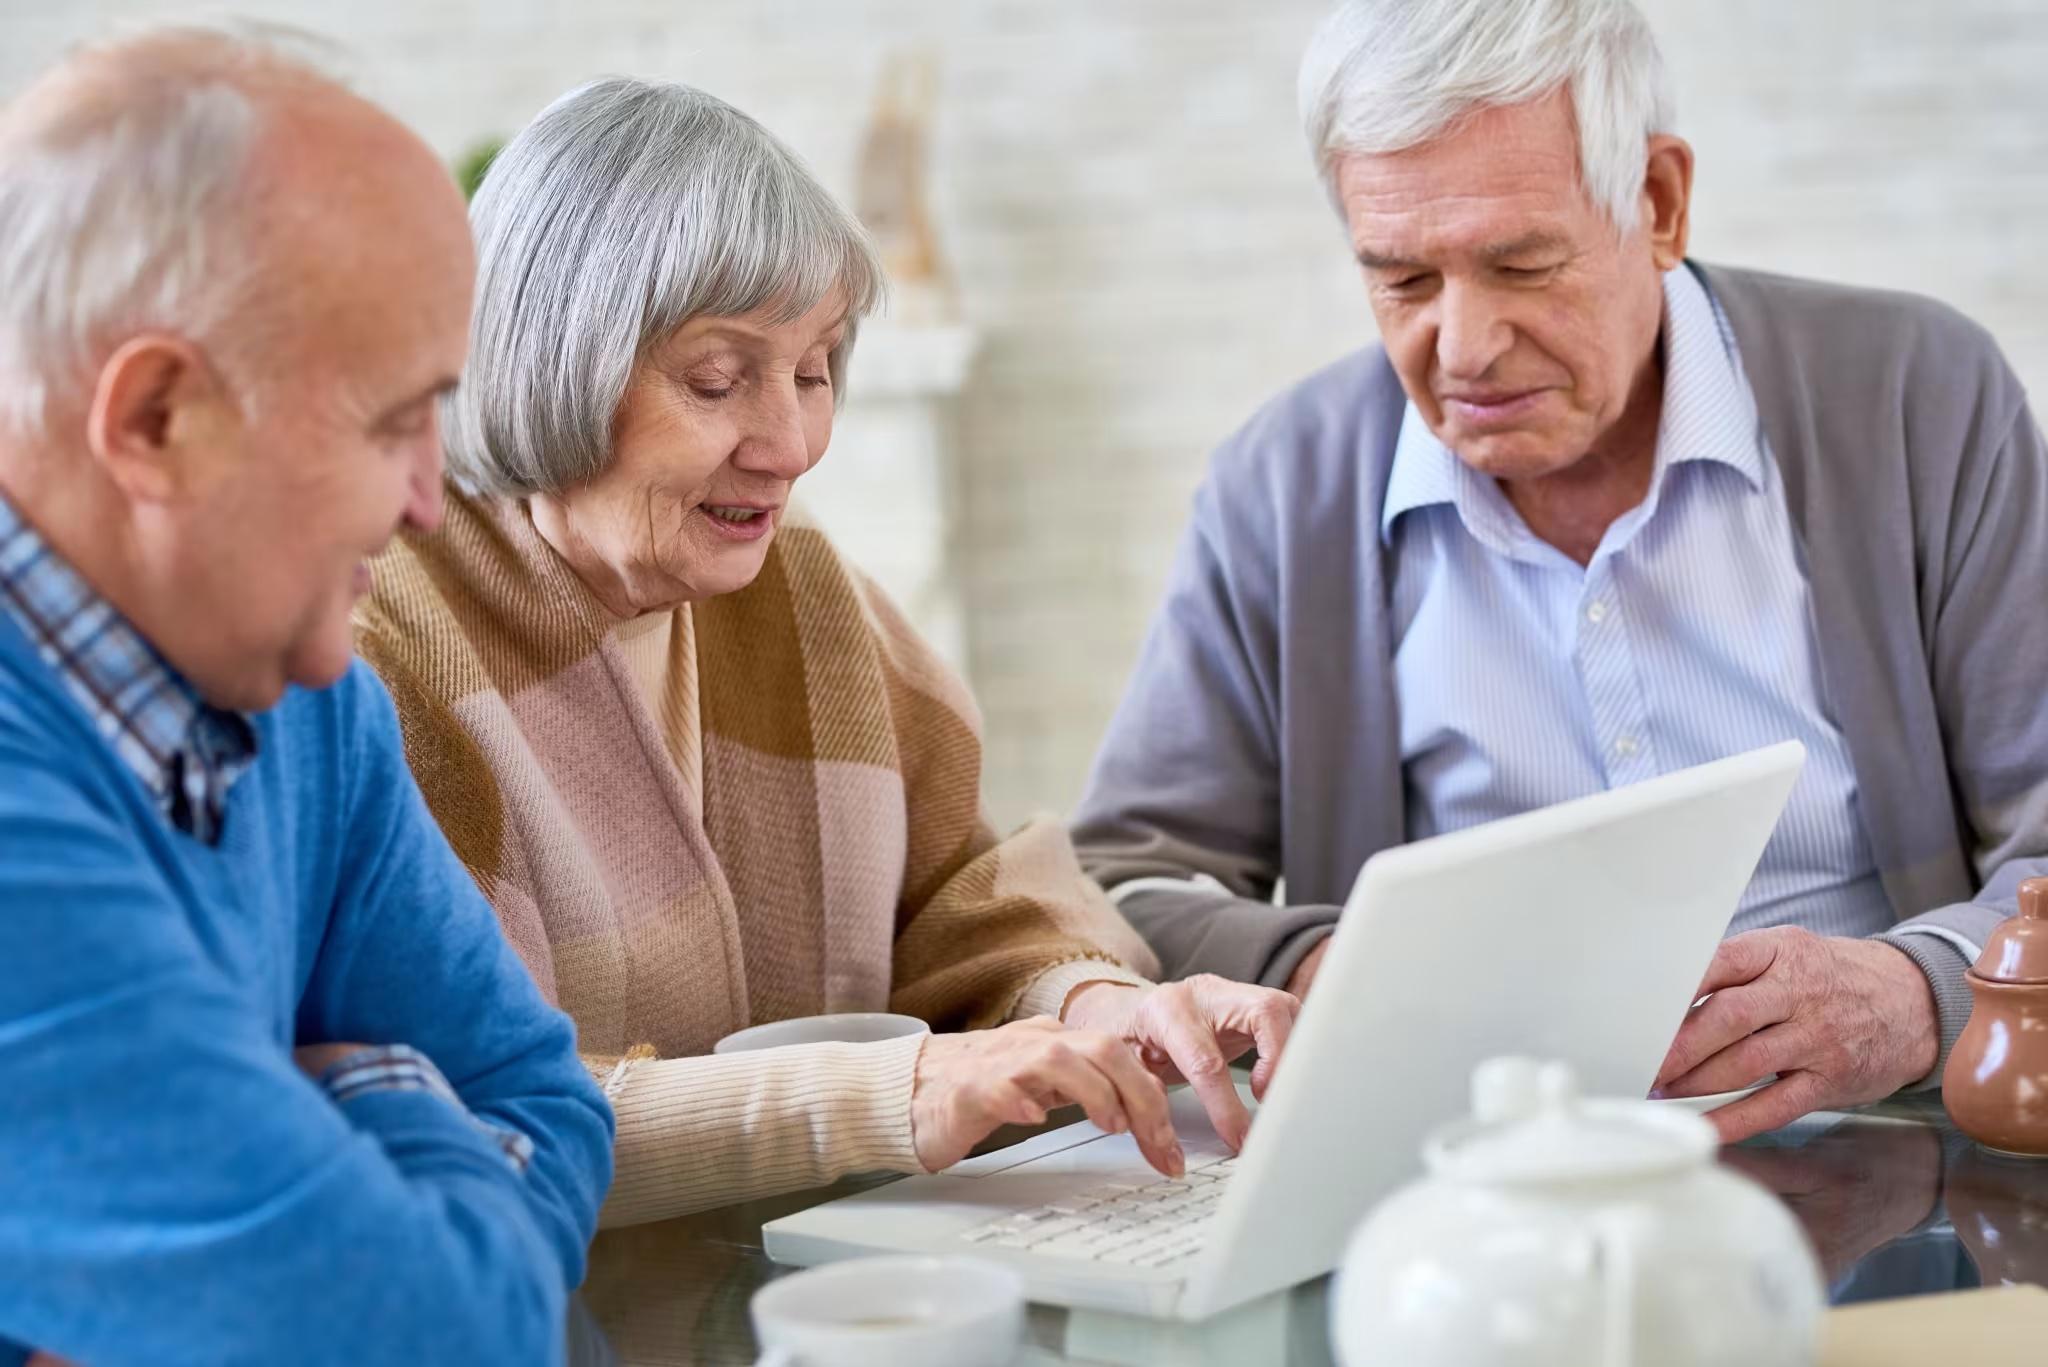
(157, 70)
(214, 183)
(235, 293)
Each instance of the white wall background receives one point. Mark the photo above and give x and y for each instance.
(1127, 203)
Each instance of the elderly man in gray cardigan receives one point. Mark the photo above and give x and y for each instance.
(1589, 513)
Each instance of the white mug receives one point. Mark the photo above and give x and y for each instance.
(900, 1310)
(845, 1027)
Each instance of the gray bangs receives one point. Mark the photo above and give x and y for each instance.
(624, 210)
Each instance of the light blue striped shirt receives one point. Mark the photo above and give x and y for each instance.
(1526, 680)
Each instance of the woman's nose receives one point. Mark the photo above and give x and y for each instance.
(776, 442)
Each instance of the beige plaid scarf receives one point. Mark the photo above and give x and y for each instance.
(834, 855)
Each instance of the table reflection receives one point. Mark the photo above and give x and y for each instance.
(1998, 1206)
(1895, 1200)
(1855, 1186)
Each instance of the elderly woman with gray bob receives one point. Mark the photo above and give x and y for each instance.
(707, 775)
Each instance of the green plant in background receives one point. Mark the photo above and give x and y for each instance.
(471, 166)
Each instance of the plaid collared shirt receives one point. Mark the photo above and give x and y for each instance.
(187, 753)
(401, 1068)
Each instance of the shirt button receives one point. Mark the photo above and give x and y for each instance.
(1597, 613)
(1625, 746)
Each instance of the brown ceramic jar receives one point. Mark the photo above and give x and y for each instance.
(1996, 1082)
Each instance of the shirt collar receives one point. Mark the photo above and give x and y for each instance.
(1709, 414)
(170, 737)
(1709, 411)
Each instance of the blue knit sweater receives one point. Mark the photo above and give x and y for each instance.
(172, 1188)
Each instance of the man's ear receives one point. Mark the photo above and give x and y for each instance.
(161, 419)
(1667, 199)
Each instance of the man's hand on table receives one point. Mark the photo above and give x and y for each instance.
(1191, 1030)
(1841, 1021)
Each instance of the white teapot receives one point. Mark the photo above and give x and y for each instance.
(1554, 1231)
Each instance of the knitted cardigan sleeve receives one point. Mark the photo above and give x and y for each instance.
(989, 929)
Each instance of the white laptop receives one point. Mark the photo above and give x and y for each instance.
(1578, 932)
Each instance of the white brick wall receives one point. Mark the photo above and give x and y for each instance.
(1126, 199)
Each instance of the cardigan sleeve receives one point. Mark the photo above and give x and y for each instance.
(1989, 667)
(1180, 820)
(691, 1133)
(697, 1133)
(983, 918)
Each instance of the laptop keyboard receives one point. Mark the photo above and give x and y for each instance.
(1133, 1223)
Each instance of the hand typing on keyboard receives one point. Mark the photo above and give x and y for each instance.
(1138, 1224)
(1191, 1030)
(968, 1084)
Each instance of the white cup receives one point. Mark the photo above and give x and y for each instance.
(901, 1310)
(846, 1027)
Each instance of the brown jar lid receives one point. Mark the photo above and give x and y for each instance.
(2017, 952)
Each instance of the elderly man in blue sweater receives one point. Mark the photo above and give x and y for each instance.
(1589, 513)
(275, 1089)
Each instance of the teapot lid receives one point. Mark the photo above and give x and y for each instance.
(2017, 952)
(1530, 1126)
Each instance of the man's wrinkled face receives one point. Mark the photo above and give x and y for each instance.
(1517, 318)
(334, 444)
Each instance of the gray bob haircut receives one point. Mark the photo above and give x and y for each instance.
(1383, 76)
(625, 209)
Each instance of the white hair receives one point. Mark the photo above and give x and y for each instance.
(119, 174)
(1383, 76)
(625, 209)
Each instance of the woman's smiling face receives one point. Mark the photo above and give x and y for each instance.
(717, 423)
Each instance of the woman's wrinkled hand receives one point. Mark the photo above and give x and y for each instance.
(969, 1084)
(1191, 1030)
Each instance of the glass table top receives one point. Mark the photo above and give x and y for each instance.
(1895, 1200)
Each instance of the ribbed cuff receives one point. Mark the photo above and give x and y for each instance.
(694, 1133)
(1047, 995)
(1945, 967)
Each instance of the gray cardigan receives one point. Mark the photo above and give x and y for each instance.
(1259, 739)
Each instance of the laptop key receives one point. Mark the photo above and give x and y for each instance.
(1146, 1223)
(1040, 1233)
(1075, 1205)
(1118, 1249)
(1068, 1246)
